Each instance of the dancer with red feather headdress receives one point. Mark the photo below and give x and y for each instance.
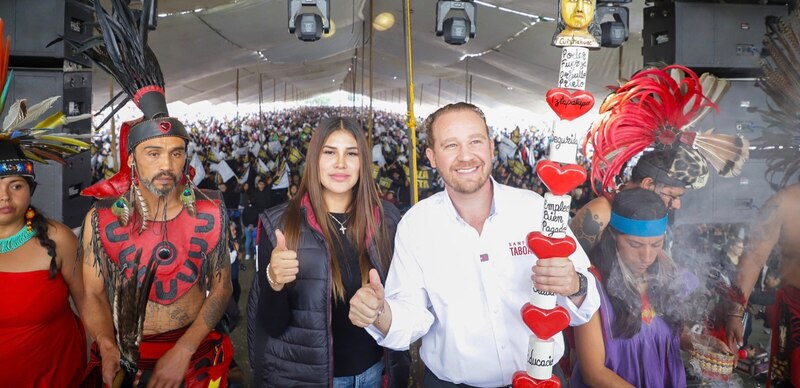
(655, 113)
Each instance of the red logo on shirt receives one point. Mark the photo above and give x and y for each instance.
(518, 248)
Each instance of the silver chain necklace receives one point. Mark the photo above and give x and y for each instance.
(341, 223)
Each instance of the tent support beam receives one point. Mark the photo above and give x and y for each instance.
(411, 117)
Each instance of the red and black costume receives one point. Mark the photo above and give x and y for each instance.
(195, 246)
(142, 260)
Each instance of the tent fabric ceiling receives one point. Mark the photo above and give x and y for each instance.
(201, 44)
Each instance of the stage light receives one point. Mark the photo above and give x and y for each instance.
(383, 21)
(309, 19)
(455, 20)
(614, 32)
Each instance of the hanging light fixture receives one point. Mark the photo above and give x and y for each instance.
(383, 22)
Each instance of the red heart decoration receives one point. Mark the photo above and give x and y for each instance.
(560, 179)
(568, 105)
(545, 323)
(547, 248)
(522, 380)
(164, 126)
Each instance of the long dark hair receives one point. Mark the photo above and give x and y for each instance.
(40, 225)
(361, 224)
(618, 283)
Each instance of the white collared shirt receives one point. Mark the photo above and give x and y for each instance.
(462, 292)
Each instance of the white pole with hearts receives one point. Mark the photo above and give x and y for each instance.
(561, 175)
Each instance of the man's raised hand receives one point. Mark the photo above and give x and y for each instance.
(368, 304)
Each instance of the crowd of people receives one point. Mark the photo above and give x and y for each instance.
(271, 147)
(334, 151)
(350, 272)
(258, 163)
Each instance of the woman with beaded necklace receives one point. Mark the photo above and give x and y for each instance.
(314, 253)
(44, 344)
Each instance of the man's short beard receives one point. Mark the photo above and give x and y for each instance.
(466, 187)
(161, 192)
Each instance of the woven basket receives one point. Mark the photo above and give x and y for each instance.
(714, 365)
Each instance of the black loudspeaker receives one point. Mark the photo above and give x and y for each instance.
(732, 200)
(727, 200)
(738, 110)
(58, 191)
(33, 24)
(75, 89)
(725, 39)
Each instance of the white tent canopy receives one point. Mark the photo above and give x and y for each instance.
(201, 44)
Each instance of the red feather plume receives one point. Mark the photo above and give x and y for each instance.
(651, 109)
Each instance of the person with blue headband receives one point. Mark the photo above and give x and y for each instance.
(635, 337)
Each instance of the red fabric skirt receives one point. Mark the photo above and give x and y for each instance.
(785, 354)
(44, 344)
(209, 364)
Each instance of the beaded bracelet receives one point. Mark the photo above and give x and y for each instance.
(269, 278)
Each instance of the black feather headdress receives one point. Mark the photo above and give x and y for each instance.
(121, 50)
(780, 141)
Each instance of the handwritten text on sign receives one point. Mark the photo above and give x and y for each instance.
(556, 215)
(566, 136)
(540, 358)
(574, 65)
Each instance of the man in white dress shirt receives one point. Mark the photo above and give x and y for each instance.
(462, 270)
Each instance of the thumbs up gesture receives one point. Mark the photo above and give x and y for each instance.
(283, 264)
(367, 305)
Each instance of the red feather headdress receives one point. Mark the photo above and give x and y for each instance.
(653, 109)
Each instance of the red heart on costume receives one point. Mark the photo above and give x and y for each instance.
(547, 248)
(522, 380)
(568, 105)
(545, 323)
(164, 126)
(560, 179)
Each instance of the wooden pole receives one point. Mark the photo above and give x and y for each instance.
(371, 41)
(260, 100)
(439, 94)
(410, 116)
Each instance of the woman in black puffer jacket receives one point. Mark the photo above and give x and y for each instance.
(314, 253)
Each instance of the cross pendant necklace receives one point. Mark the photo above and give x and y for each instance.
(342, 228)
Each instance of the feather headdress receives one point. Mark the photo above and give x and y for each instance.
(780, 140)
(129, 303)
(121, 50)
(26, 134)
(654, 110)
